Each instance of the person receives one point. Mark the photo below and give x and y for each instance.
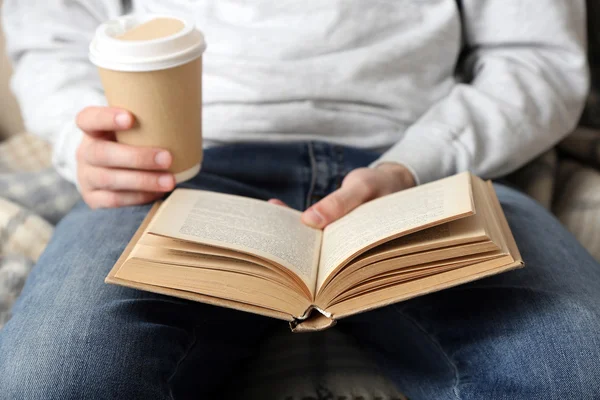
(321, 106)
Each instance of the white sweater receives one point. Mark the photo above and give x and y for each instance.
(376, 74)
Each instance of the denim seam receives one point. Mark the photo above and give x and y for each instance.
(313, 178)
(437, 344)
(185, 355)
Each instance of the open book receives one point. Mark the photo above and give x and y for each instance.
(258, 257)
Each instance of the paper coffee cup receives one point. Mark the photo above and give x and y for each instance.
(151, 65)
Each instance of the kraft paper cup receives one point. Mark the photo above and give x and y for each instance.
(152, 66)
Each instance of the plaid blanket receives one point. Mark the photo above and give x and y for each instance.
(33, 198)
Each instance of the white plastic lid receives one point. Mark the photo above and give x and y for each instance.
(109, 52)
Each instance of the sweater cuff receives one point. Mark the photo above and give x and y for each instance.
(427, 151)
(65, 150)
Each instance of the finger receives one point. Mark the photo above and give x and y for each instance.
(104, 153)
(277, 202)
(336, 205)
(94, 120)
(129, 180)
(108, 199)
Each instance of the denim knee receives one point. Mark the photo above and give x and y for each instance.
(553, 352)
(74, 356)
(32, 369)
(66, 366)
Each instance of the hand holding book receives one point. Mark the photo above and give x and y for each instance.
(258, 257)
(358, 187)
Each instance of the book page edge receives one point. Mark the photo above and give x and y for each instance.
(112, 279)
(513, 251)
(132, 242)
(509, 237)
(200, 298)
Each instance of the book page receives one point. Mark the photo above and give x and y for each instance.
(125, 259)
(465, 230)
(393, 216)
(248, 225)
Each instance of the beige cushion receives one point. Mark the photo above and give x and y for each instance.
(10, 120)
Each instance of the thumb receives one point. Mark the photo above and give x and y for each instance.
(336, 205)
(97, 121)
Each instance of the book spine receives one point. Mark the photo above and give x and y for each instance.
(313, 320)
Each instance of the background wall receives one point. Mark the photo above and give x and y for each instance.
(10, 117)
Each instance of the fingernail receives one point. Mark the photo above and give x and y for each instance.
(162, 159)
(123, 120)
(165, 181)
(313, 218)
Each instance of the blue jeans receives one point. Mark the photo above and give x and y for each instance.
(527, 334)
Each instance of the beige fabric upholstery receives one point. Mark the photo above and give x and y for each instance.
(10, 120)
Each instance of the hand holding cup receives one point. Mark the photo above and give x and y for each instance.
(151, 65)
(112, 174)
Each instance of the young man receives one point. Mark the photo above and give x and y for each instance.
(300, 97)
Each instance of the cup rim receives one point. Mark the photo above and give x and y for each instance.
(106, 51)
(187, 27)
